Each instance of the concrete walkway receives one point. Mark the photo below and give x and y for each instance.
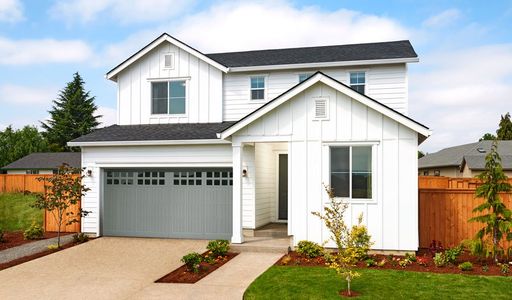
(126, 268)
(31, 248)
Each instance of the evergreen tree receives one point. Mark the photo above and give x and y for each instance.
(72, 115)
(487, 137)
(14, 144)
(504, 131)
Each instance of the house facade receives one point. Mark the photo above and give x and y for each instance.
(43, 163)
(210, 145)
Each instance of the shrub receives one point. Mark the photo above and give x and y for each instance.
(452, 254)
(79, 238)
(411, 257)
(439, 259)
(504, 268)
(466, 266)
(309, 249)
(35, 231)
(485, 268)
(381, 263)
(218, 247)
(192, 261)
(435, 247)
(370, 262)
(404, 262)
(422, 261)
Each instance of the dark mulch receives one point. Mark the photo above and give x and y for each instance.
(346, 295)
(424, 263)
(14, 239)
(183, 275)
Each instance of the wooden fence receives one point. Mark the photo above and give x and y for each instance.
(19, 183)
(445, 205)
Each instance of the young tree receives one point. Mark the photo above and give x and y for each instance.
(14, 144)
(72, 115)
(353, 243)
(504, 131)
(62, 191)
(497, 218)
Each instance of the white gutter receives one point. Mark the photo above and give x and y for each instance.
(148, 143)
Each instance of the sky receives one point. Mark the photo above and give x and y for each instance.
(460, 87)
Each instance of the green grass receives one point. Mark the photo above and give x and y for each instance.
(323, 283)
(16, 213)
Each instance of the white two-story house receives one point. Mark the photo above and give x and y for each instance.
(210, 145)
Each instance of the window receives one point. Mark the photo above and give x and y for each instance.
(425, 173)
(437, 173)
(357, 81)
(168, 97)
(169, 61)
(257, 88)
(351, 172)
(32, 172)
(120, 178)
(304, 76)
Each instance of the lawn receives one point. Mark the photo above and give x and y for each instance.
(323, 283)
(16, 213)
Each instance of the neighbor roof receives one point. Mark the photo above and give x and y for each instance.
(471, 154)
(352, 52)
(154, 132)
(46, 161)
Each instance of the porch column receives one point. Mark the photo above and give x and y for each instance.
(237, 237)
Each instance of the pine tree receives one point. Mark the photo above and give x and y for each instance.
(14, 144)
(72, 115)
(504, 131)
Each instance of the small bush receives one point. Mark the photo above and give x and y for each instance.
(411, 257)
(381, 263)
(370, 262)
(422, 261)
(309, 249)
(466, 266)
(218, 247)
(439, 259)
(79, 238)
(192, 261)
(485, 268)
(404, 262)
(35, 231)
(504, 268)
(452, 254)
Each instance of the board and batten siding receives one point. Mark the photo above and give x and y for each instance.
(392, 216)
(128, 157)
(204, 88)
(385, 83)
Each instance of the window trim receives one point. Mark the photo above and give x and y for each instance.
(365, 71)
(265, 87)
(168, 115)
(327, 163)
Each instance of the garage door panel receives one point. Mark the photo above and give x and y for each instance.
(174, 203)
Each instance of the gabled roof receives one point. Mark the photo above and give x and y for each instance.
(322, 54)
(155, 43)
(46, 161)
(151, 134)
(337, 85)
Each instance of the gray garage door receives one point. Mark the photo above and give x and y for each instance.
(171, 203)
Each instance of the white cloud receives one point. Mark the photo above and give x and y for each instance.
(461, 94)
(109, 115)
(11, 11)
(41, 51)
(124, 11)
(444, 18)
(26, 95)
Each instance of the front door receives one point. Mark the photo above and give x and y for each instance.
(283, 188)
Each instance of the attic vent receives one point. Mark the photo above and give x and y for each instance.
(169, 61)
(321, 108)
(481, 150)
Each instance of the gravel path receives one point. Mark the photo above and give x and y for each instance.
(31, 248)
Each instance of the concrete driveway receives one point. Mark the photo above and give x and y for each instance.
(126, 268)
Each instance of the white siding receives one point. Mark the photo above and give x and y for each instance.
(248, 187)
(392, 215)
(96, 158)
(204, 88)
(385, 83)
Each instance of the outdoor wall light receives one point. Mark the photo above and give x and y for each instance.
(244, 172)
(89, 173)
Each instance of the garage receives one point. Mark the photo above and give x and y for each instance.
(168, 203)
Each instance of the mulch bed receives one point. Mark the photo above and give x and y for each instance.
(183, 275)
(15, 238)
(480, 266)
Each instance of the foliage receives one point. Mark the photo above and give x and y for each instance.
(504, 268)
(192, 261)
(439, 259)
(309, 249)
(411, 257)
(487, 137)
(62, 190)
(381, 263)
(504, 131)
(370, 262)
(498, 218)
(53, 247)
(218, 247)
(35, 231)
(422, 261)
(451, 254)
(71, 116)
(404, 263)
(16, 214)
(79, 238)
(485, 268)
(466, 266)
(15, 144)
(353, 243)
(435, 246)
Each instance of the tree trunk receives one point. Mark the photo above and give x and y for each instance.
(349, 293)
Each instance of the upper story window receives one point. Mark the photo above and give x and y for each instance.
(351, 172)
(32, 172)
(358, 81)
(257, 87)
(168, 97)
(304, 76)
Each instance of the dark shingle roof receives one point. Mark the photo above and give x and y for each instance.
(43, 161)
(155, 132)
(472, 154)
(369, 51)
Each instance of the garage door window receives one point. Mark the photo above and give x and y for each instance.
(187, 178)
(219, 178)
(151, 178)
(120, 178)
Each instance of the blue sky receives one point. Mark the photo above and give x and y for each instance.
(460, 87)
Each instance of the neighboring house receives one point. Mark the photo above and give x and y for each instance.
(43, 163)
(209, 145)
(465, 160)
